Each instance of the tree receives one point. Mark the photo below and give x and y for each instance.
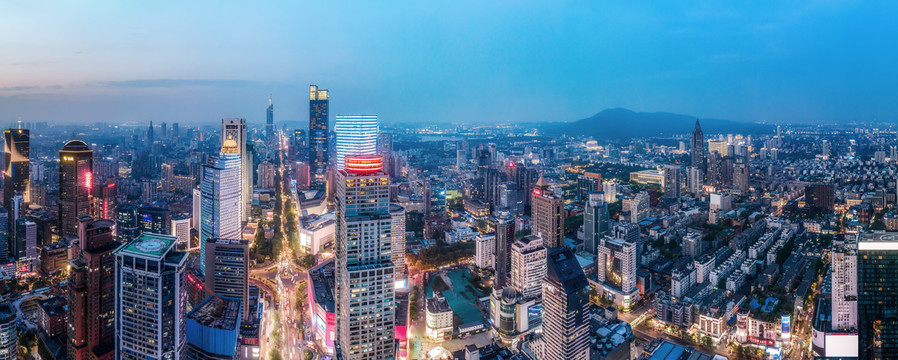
(307, 261)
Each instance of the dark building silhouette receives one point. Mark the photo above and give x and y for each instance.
(565, 308)
(75, 185)
(698, 147)
(820, 197)
(91, 292)
(318, 135)
(16, 174)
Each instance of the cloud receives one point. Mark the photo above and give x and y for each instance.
(175, 83)
(19, 88)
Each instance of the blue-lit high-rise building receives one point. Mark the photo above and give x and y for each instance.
(221, 204)
(877, 295)
(318, 131)
(355, 135)
(212, 329)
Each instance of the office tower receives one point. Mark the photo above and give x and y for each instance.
(318, 132)
(565, 308)
(587, 183)
(227, 268)
(355, 135)
(503, 227)
(364, 266)
(385, 149)
(528, 266)
(16, 176)
(639, 207)
(180, 228)
(151, 137)
(90, 292)
(104, 199)
(266, 175)
(695, 180)
(741, 176)
(610, 190)
(698, 147)
(75, 185)
(235, 129)
(596, 222)
(877, 295)
(461, 156)
(269, 123)
(166, 177)
(7, 243)
(150, 299)
(154, 219)
(213, 327)
(672, 183)
(826, 150)
(616, 269)
(222, 203)
(197, 208)
(9, 334)
(26, 245)
(721, 202)
(300, 145)
(148, 191)
(844, 286)
(127, 222)
(820, 198)
(546, 214)
(397, 214)
(175, 131)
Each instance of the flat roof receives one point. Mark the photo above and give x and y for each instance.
(885, 240)
(217, 313)
(149, 244)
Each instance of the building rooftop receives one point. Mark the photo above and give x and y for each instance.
(878, 240)
(217, 313)
(438, 305)
(149, 244)
(321, 278)
(53, 306)
(564, 269)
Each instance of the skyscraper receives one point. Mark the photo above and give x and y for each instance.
(355, 135)
(16, 176)
(741, 176)
(364, 266)
(673, 184)
(222, 203)
(9, 333)
(91, 293)
(565, 308)
(596, 222)
(503, 227)
(528, 266)
(844, 286)
(546, 214)
(75, 185)
(616, 267)
(397, 213)
(877, 295)
(235, 129)
(227, 269)
(269, 123)
(151, 301)
(698, 147)
(127, 222)
(318, 132)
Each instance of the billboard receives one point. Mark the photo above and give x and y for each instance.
(786, 321)
(841, 345)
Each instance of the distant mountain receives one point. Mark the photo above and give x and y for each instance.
(623, 124)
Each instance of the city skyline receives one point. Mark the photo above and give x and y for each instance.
(768, 62)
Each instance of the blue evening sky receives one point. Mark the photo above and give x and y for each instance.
(447, 61)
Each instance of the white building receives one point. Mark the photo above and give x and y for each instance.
(222, 203)
(528, 266)
(180, 228)
(150, 293)
(485, 251)
(438, 318)
(616, 265)
(315, 232)
(397, 214)
(844, 286)
(235, 129)
(639, 207)
(721, 202)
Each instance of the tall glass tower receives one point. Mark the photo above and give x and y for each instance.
(76, 162)
(16, 176)
(355, 135)
(235, 129)
(366, 307)
(318, 129)
(269, 122)
(221, 204)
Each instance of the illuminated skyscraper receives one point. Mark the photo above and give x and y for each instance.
(151, 304)
(596, 222)
(269, 123)
(698, 147)
(565, 308)
(318, 131)
(16, 176)
(398, 232)
(364, 265)
(91, 292)
(877, 295)
(222, 204)
(75, 185)
(355, 135)
(228, 264)
(547, 216)
(235, 129)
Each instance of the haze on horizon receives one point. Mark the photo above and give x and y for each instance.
(447, 62)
